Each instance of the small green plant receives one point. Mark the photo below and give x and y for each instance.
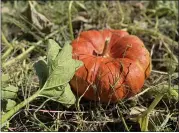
(54, 76)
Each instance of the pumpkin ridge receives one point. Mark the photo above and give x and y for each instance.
(139, 65)
(86, 38)
(148, 70)
(120, 37)
(90, 74)
(89, 41)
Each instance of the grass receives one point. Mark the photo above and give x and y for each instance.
(23, 43)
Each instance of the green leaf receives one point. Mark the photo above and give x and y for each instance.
(61, 94)
(64, 55)
(64, 68)
(57, 87)
(11, 88)
(169, 93)
(52, 52)
(10, 104)
(8, 95)
(9, 92)
(41, 71)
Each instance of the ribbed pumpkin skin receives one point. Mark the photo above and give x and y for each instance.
(117, 74)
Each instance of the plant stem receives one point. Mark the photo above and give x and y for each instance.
(70, 21)
(41, 123)
(123, 121)
(154, 103)
(10, 47)
(6, 54)
(105, 48)
(144, 118)
(5, 40)
(10, 113)
(21, 56)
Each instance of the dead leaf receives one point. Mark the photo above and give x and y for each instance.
(37, 19)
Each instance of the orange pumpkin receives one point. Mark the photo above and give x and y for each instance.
(116, 65)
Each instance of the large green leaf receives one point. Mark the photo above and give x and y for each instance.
(65, 55)
(41, 71)
(62, 94)
(64, 68)
(53, 50)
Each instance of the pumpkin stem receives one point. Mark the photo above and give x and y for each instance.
(105, 47)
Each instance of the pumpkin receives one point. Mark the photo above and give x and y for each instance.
(116, 65)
